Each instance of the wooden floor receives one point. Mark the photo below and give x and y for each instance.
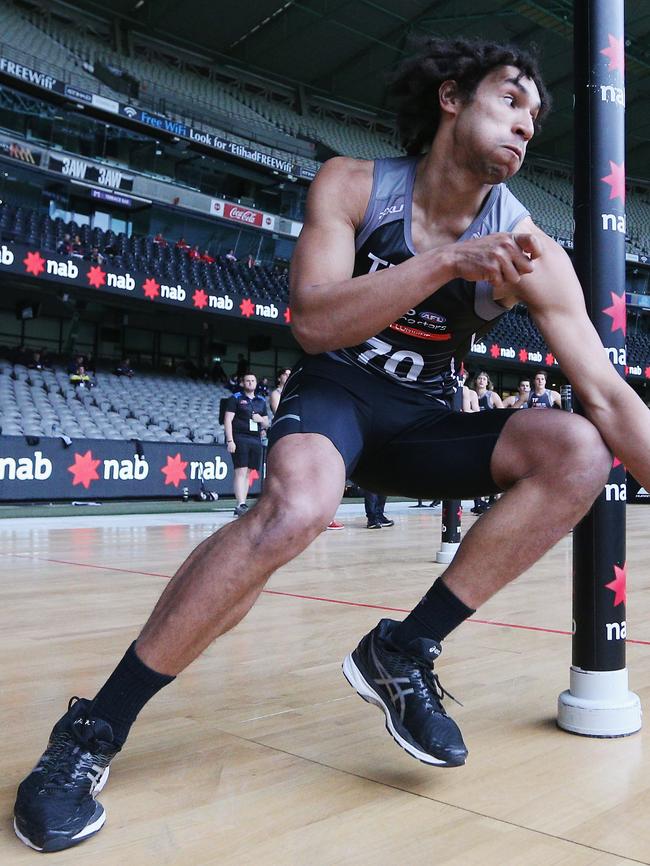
(262, 754)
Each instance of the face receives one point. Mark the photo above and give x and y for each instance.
(249, 383)
(482, 380)
(494, 127)
(524, 387)
(540, 381)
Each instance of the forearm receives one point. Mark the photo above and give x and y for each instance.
(624, 424)
(227, 427)
(347, 312)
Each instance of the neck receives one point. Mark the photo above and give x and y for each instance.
(459, 198)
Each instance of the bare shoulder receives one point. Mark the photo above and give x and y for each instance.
(345, 181)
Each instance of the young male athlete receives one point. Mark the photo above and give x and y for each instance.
(520, 399)
(400, 261)
(540, 397)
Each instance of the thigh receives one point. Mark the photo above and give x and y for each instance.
(305, 472)
(447, 456)
(327, 403)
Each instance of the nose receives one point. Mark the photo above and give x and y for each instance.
(525, 126)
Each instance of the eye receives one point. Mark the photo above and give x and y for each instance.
(510, 97)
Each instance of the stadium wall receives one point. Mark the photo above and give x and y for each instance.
(44, 468)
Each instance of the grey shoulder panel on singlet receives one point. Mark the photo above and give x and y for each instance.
(390, 198)
(504, 215)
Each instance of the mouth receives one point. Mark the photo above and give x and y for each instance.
(518, 153)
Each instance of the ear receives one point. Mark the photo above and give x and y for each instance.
(449, 97)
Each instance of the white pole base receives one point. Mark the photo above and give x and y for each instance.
(599, 704)
(447, 551)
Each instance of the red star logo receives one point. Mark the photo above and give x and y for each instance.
(174, 470)
(287, 315)
(151, 288)
(253, 475)
(84, 469)
(96, 277)
(647, 372)
(494, 350)
(615, 51)
(200, 299)
(523, 356)
(619, 585)
(549, 359)
(247, 308)
(34, 263)
(617, 312)
(616, 179)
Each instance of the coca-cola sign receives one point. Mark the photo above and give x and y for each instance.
(242, 214)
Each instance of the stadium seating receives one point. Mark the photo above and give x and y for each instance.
(148, 407)
(167, 264)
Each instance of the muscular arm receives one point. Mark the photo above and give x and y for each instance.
(554, 298)
(330, 309)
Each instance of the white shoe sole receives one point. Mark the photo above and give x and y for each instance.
(88, 830)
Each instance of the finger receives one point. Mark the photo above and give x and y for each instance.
(528, 244)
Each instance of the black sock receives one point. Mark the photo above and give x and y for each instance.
(125, 692)
(438, 614)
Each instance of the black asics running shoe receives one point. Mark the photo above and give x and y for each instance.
(55, 807)
(403, 684)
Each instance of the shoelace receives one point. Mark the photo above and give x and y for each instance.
(67, 754)
(433, 681)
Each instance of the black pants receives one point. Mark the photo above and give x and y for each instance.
(375, 504)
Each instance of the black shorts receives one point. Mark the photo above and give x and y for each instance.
(248, 452)
(393, 439)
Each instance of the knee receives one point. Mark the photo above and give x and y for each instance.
(581, 457)
(294, 520)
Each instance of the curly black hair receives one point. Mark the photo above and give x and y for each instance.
(414, 85)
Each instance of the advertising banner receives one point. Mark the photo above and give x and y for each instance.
(111, 469)
(79, 169)
(73, 271)
(241, 214)
(518, 354)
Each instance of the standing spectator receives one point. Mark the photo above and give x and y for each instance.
(374, 504)
(233, 384)
(231, 258)
(250, 261)
(160, 240)
(244, 420)
(539, 397)
(276, 393)
(182, 244)
(194, 253)
(520, 399)
(207, 258)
